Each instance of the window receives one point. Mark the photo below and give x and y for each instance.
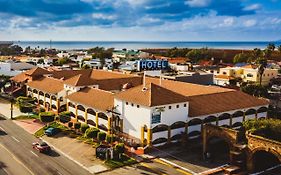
(156, 118)
(178, 106)
(184, 105)
(224, 73)
(268, 75)
(249, 75)
(132, 104)
(138, 106)
(170, 107)
(127, 103)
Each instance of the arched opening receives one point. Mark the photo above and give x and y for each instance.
(159, 128)
(210, 119)
(176, 137)
(41, 102)
(71, 105)
(238, 114)
(54, 98)
(218, 149)
(41, 93)
(262, 109)
(263, 160)
(54, 107)
(102, 115)
(237, 125)
(250, 112)
(91, 111)
(62, 108)
(195, 121)
(91, 122)
(29, 89)
(35, 91)
(159, 141)
(47, 105)
(81, 118)
(224, 116)
(177, 125)
(72, 114)
(81, 108)
(103, 127)
(47, 95)
(194, 134)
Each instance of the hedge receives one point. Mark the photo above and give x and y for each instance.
(120, 148)
(109, 139)
(92, 132)
(47, 116)
(77, 125)
(101, 136)
(84, 127)
(26, 107)
(22, 99)
(64, 117)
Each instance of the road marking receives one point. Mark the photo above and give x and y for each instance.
(34, 154)
(2, 129)
(17, 159)
(152, 169)
(15, 139)
(175, 166)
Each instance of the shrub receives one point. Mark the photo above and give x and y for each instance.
(70, 124)
(64, 117)
(47, 116)
(101, 136)
(77, 125)
(109, 139)
(120, 148)
(92, 132)
(22, 99)
(84, 127)
(26, 107)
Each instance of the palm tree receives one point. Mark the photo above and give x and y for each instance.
(262, 66)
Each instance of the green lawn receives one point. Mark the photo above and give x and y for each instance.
(25, 117)
(41, 131)
(125, 160)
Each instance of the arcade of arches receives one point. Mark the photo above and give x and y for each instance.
(257, 153)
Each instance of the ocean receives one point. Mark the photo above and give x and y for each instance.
(69, 45)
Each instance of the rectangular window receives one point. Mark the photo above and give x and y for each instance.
(184, 105)
(127, 103)
(156, 118)
(138, 106)
(178, 106)
(170, 107)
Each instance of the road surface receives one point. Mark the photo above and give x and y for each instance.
(18, 142)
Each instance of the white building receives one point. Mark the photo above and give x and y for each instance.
(11, 68)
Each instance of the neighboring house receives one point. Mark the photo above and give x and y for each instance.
(119, 55)
(247, 73)
(149, 112)
(11, 68)
(96, 63)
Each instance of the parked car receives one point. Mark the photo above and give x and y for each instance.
(52, 131)
(41, 147)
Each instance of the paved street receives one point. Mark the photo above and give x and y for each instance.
(19, 143)
(9, 164)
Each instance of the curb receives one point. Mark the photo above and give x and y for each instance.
(177, 166)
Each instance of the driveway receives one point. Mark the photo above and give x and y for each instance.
(30, 125)
(76, 150)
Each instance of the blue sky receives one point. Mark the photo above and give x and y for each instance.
(141, 20)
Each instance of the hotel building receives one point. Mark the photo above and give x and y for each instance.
(148, 111)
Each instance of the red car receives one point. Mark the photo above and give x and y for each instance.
(41, 147)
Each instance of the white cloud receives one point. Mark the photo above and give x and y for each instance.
(198, 3)
(103, 16)
(253, 7)
(228, 22)
(250, 23)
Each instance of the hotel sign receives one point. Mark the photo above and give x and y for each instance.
(152, 65)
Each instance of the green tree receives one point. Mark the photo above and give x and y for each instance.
(271, 47)
(241, 58)
(267, 53)
(262, 62)
(256, 53)
(279, 49)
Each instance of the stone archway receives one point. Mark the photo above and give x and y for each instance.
(261, 159)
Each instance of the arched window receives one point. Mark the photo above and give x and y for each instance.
(210, 119)
(237, 114)
(41, 93)
(262, 109)
(159, 141)
(47, 95)
(195, 121)
(71, 105)
(160, 128)
(224, 116)
(250, 112)
(91, 111)
(91, 122)
(81, 118)
(102, 115)
(177, 125)
(80, 107)
(103, 127)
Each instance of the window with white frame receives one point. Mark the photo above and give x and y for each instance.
(156, 118)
